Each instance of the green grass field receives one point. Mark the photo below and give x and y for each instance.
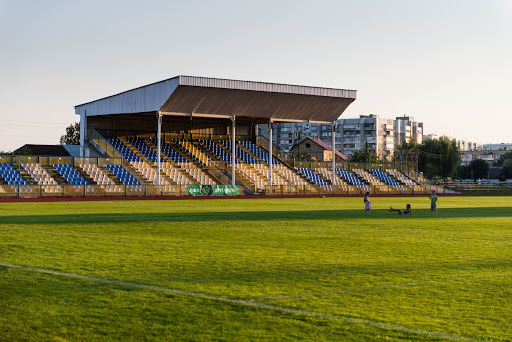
(260, 269)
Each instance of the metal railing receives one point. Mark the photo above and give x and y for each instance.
(45, 191)
(94, 136)
(284, 156)
(350, 189)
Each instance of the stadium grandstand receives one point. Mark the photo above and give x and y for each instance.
(198, 136)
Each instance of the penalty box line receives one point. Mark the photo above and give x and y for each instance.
(245, 302)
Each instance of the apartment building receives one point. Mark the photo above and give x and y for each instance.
(372, 131)
(406, 129)
(495, 147)
(490, 156)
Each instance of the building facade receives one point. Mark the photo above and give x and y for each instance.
(495, 147)
(490, 156)
(367, 131)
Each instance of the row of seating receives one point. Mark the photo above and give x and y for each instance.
(240, 153)
(218, 151)
(349, 177)
(122, 174)
(385, 177)
(326, 174)
(144, 149)
(258, 152)
(39, 174)
(169, 151)
(127, 154)
(175, 174)
(179, 145)
(313, 177)
(199, 155)
(97, 174)
(401, 177)
(9, 173)
(70, 174)
(369, 178)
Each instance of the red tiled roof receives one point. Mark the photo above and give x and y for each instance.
(325, 146)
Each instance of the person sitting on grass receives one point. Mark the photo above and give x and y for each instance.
(407, 211)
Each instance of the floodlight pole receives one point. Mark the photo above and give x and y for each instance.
(233, 150)
(270, 154)
(333, 138)
(159, 142)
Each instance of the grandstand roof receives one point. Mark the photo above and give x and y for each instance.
(221, 98)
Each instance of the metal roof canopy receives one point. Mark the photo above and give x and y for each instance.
(221, 98)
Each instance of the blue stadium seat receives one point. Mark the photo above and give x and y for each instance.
(218, 151)
(384, 177)
(349, 177)
(11, 175)
(68, 172)
(258, 152)
(144, 149)
(127, 154)
(313, 177)
(122, 174)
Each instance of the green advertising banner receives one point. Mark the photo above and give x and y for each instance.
(213, 190)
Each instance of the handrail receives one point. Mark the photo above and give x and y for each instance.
(283, 155)
(26, 168)
(243, 173)
(89, 136)
(346, 165)
(417, 173)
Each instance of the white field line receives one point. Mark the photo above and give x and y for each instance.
(385, 286)
(246, 303)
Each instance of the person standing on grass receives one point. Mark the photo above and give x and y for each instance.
(367, 203)
(433, 202)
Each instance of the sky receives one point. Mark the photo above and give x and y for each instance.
(446, 63)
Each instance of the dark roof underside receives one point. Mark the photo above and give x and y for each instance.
(261, 106)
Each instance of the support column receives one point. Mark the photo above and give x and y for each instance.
(83, 133)
(270, 153)
(159, 143)
(333, 154)
(233, 150)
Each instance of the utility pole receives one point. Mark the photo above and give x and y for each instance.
(299, 135)
(366, 151)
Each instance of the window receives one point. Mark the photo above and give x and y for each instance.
(308, 145)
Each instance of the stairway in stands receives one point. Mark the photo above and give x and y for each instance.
(327, 176)
(145, 166)
(216, 151)
(281, 174)
(186, 161)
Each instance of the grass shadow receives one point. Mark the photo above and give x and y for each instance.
(300, 215)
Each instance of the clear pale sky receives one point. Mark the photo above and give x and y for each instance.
(447, 63)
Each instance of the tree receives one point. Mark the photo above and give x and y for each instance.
(500, 161)
(72, 136)
(436, 158)
(364, 156)
(19, 152)
(463, 172)
(506, 171)
(22, 152)
(479, 168)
